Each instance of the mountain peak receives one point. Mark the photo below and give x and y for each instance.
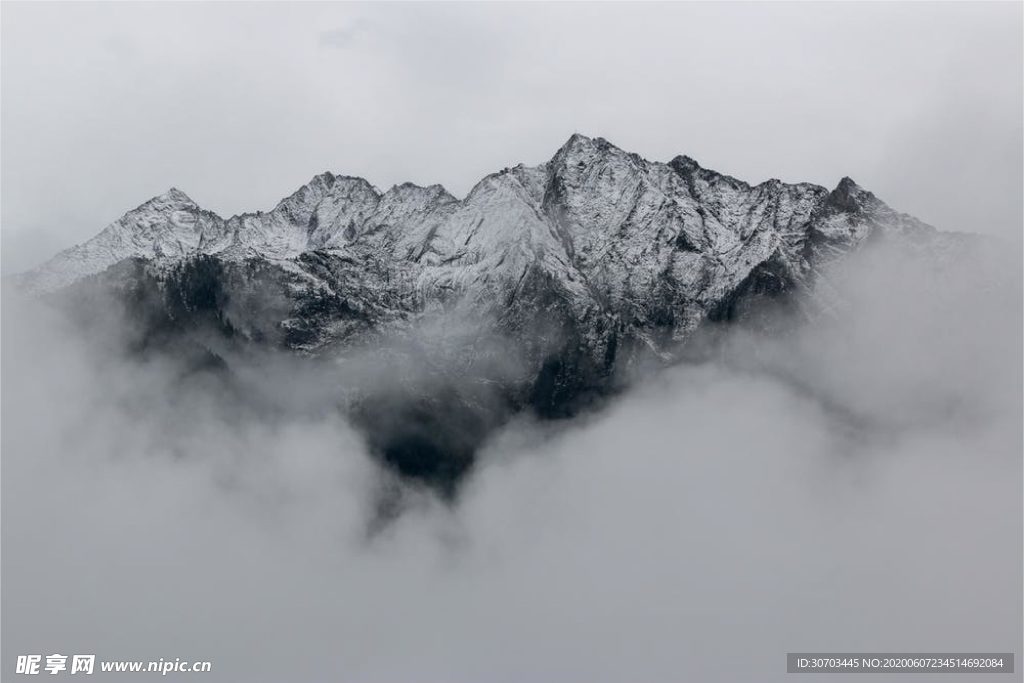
(177, 196)
(591, 193)
(599, 260)
(577, 139)
(326, 178)
(578, 142)
(171, 199)
(683, 162)
(412, 189)
(848, 184)
(581, 150)
(849, 196)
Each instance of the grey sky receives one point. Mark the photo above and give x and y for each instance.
(106, 105)
(853, 486)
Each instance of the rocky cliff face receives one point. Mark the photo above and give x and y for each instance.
(539, 291)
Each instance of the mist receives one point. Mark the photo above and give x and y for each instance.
(851, 485)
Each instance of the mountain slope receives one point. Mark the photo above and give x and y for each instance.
(543, 289)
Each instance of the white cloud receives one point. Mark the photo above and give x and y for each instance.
(853, 487)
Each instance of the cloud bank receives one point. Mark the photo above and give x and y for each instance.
(854, 485)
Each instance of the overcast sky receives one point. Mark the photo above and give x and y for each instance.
(852, 485)
(106, 105)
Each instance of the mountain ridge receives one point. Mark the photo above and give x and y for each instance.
(327, 187)
(544, 289)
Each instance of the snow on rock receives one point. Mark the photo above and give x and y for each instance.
(651, 249)
(543, 289)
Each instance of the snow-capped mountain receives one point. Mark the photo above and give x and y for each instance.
(582, 267)
(646, 242)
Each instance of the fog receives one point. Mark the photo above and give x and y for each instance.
(854, 485)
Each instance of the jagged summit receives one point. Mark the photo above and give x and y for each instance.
(174, 194)
(580, 148)
(849, 196)
(170, 199)
(540, 290)
(593, 205)
(684, 162)
(575, 141)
